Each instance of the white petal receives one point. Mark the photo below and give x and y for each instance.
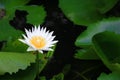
(51, 33)
(40, 51)
(39, 28)
(50, 38)
(50, 45)
(47, 33)
(24, 36)
(27, 32)
(32, 29)
(30, 49)
(53, 42)
(48, 49)
(22, 40)
(44, 30)
(35, 28)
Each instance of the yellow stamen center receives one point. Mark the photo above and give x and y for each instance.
(38, 42)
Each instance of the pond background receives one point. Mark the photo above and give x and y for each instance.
(63, 60)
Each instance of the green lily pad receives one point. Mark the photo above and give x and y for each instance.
(87, 54)
(59, 76)
(107, 47)
(13, 3)
(12, 62)
(85, 12)
(14, 46)
(8, 32)
(110, 76)
(36, 14)
(27, 74)
(85, 39)
(31, 71)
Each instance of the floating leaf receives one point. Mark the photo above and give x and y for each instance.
(86, 54)
(14, 46)
(85, 39)
(85, 12)
(36, 14)
(8, 32)
(27, 74)
(31, 72)
(42, 78)
(60, 76)
(12, 62)
(111, 76)
(13, 3)
(107, 47)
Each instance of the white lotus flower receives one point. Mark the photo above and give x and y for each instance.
(38, 39)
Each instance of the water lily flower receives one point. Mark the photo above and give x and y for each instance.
(39, 39)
